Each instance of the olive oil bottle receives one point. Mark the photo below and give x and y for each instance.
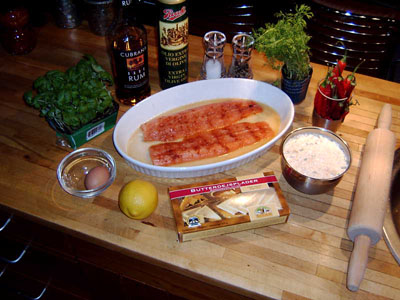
(173, 33)
(127, 42)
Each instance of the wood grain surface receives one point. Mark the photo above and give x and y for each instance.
(306, 258)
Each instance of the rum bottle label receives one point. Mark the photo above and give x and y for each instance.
(131, 68)
(173, 43)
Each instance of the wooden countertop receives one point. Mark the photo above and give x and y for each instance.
(306, 257)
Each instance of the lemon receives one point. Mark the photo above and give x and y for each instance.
(138, 199)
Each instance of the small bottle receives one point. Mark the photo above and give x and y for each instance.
(127, 41)
(213, 63)
(242, 46)
(173, 32)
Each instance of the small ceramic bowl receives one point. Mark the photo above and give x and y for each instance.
(305, 183)
(72, 170)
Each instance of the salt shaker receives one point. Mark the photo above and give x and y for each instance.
(242, 46)
(213, 63)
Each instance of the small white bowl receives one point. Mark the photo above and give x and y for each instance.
(193, 92)
(72, 170)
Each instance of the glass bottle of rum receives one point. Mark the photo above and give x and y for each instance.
(127, 42)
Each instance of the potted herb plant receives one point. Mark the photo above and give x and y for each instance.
(285, 44)
(75, 103)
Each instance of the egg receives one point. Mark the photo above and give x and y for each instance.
(96, 177)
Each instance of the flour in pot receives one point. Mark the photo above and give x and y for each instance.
(315, 155)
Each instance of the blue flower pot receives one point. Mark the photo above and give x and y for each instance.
(296, 89)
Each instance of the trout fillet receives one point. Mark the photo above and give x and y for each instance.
(203, 118)
(211, 143)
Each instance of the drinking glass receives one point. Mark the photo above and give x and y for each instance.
(329, 112)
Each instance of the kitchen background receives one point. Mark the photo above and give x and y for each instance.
(368, 28)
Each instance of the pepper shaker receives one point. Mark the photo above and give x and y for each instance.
(242, 46)
(213, 63)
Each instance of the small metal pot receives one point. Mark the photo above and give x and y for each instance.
(307, 184)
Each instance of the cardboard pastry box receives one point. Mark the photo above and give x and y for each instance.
(228, 205)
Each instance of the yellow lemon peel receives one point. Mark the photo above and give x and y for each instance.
(138, 199)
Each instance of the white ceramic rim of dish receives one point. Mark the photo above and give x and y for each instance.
(199, 91)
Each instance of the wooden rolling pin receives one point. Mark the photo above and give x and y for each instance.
(372, 193)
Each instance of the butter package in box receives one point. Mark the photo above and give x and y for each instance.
(227, 205)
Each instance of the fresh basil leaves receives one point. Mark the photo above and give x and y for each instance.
(73, 98)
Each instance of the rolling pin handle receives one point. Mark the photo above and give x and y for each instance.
(358, 262)
(385, 117)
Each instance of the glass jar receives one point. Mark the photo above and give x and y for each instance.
(329, 112)
(242, 46)
(67, 13)
(100, 14)
(18, 36)
(213, 63)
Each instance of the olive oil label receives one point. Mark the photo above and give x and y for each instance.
(174, 36)
(132, 67)
(173, 44)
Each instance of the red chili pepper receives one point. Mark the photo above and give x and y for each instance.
(341, 88)
(334, 108)
(340, 65)
(327, 92)
(335, 87)
(324, 89)
(350, 88)
(317, 102)
(337, 113)
(350, 81)
(333, 104)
